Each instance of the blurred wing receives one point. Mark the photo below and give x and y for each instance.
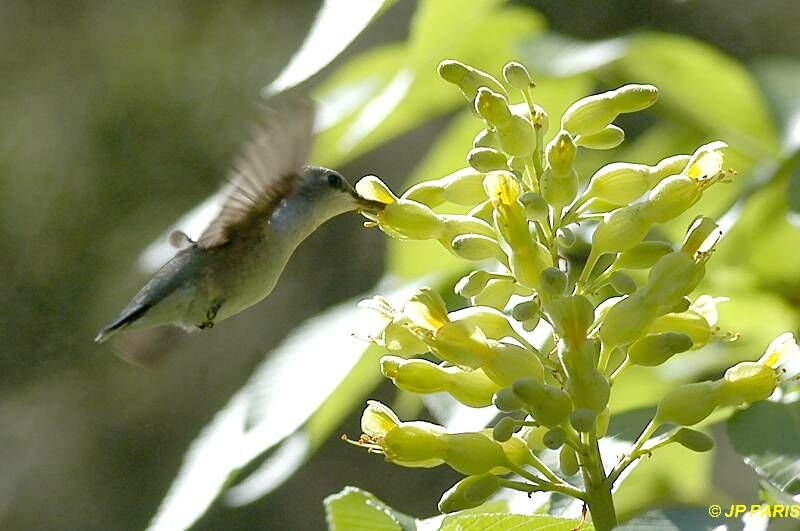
(267, 169)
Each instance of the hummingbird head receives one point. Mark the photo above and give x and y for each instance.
(331, 192)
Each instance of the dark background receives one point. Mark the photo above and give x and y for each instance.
(115, 118)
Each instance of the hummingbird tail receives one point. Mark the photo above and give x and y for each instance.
(121, 322)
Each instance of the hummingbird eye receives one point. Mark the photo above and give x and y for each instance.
(334, 180)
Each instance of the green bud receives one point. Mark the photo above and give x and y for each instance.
(559, 189)
(526, 310)
(462, 187)
(517, 165)
(689, 322)
(681, 305)
(622, 283)
(568, 461)
(554, 438)
(693, 440)
(496, 293)
(467, 78)
(627, 320)
(510, 362)
(688, 404)
(643, 255)
(529, 325)
(414, 444)
(655, 349)
(583, 420)
(473, 283)
(535, 206)
(478, 248)
(565, 237)
(620, 230)
(486, 138)
(589, 388)
(470, 492)
(416, 376)
(534, 437)
(553, 282)
(486, 159)
(506, 401)
(561, 152)
(571, 317)
(472, 453)
(493, 107)
(504, 429)
(748, 382)
(517, 136)
(548, 404)
(620, 183)
(607, 138)
(592, 114)
(517, 76)
(672, 197)
(673, 277)
(701, 236)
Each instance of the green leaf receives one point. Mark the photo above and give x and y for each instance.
(674, 520)
(354, 509)
(767, 436)
(338, 23)
(407, 92)
(283, 393)
(517, 522)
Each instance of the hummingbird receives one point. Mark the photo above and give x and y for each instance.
(271, 202)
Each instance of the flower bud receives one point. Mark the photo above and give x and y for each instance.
(462, 187)
(477, 248)
(583, 420)
(643, 255)
(673, 277)
(404, 219)
(565, 237)
(506, 401)
(486, 138)
(527, 310)
(748, 382)
(509, 362)
(504, 429)
(472, 453)
(622, 283)
(688, 404)
(561, 152)
(486, 159)
(568, 461)
(371, 187)
(571, 317)
(548, 404)
(627, 320)
(467, 78)
(607, 138)
(689, 323)
(470, 492)
(554, 438)
(497, 293)
(693, 440)
(592, 114)
(553, 282)
(702, 235)
(493, 107)
(655, 349)
(672, 197)
(535, 206)
(473, 283)
(517, 136)
(517, 76)
(588, 388)
(620, 183)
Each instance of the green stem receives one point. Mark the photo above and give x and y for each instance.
(598, 490)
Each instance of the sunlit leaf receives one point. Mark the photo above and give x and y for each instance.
(685, 519)
(517, 522)
(337, 24)
(767, 436)
(354, 509)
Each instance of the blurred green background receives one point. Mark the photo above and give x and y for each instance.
(117, 117)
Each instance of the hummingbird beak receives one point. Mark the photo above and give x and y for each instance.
(368, 205)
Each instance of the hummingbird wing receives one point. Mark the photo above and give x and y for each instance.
(267, 169)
